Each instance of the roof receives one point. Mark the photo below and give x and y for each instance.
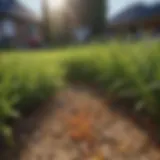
(15, 8)
(6, 5)
(136, 12)
(21, 11)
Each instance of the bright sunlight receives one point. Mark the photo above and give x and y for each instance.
(57, 5)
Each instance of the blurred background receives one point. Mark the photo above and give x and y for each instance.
(46, 22)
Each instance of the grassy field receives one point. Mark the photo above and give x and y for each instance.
(128, 71)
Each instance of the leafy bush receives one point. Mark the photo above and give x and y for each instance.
(24, 84)
(129, 71)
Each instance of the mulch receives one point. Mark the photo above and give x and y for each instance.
(104, 134)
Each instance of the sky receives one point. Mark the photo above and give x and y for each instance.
(115, 6)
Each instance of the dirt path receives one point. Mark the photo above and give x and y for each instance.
(79, 126)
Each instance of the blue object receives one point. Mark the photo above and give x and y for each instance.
(6, 5)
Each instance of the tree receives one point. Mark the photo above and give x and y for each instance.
(91, 13)
(46, 21)
(99, 14)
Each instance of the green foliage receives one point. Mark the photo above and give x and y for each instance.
(24, 84)
(129, 71)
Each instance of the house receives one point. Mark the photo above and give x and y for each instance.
(17, 23)
(137, 17)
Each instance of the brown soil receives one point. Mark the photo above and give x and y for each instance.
(79, 126)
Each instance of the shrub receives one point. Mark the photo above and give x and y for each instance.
(126, 71)
(23, 86)
(129, 71)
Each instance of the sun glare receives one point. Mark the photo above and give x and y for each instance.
(57, 4)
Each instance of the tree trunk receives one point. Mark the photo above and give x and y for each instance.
(46, 21)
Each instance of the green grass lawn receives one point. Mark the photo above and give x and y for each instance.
(124, 70)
